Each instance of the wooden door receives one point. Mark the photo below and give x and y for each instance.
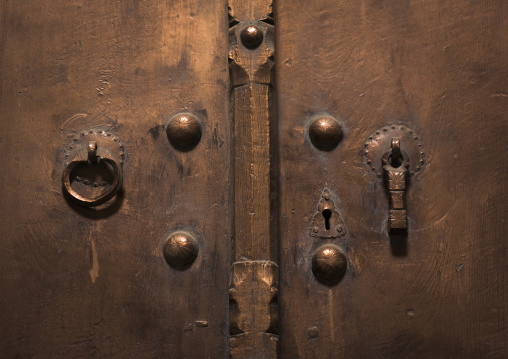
(82, 282)
(248, 212)
(439, 69)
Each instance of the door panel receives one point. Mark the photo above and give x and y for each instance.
(83, 283)
(440, 69)
(93, 282)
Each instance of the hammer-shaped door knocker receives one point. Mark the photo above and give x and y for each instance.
(395, 169)
(395, 153)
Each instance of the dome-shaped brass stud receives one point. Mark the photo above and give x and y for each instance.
(325, 132)
(184, 131)
(329, 262)
(251, 36)
(181, 250)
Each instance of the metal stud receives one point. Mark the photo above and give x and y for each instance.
(181, 250)
(251, 36)
(325, 132)
(184, 131)
(329, 262)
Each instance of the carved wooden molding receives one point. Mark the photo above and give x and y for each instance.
(253, 300)
(250, 65)
(253, 293)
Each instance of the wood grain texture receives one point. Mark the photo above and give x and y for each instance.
(440, 68)
(254, 311)
(254, 140)
(254, 274)
(82, 284)
(255, 238)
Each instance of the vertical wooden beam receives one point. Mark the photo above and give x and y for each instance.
(254, 235)
(253, 293)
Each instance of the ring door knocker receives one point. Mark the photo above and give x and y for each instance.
(95, 158)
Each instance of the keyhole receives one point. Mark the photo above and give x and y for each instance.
(327, 214)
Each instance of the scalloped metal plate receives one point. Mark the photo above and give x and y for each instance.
(378, 143)
(103, 138)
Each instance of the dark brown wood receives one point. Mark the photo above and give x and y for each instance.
(254, 237)
(439, 68)
(78, 283)
(254, 274)
(254, 313)
(239, 195)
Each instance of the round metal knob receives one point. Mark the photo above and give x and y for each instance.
(325, 132)
(251, 36)
(184, 131)
(329, 262)
(181, 250)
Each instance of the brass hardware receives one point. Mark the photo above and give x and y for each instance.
(327, 222)
(94, 158)
(325, 132)
(251, 36)
(184, 131)
(395, 167)
(329, 262)
(253, 298)
(396, 155)
(377, 143)
(92, 152)
(181, 250)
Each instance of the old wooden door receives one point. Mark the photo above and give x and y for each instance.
(437, 68)
(82, 282)
(299, 179)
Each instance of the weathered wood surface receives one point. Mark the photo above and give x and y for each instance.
(254, 312)
(440, 68)
(255, 232)
(77, 284)
(255, 133)
(81, 284)
(254, 274)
